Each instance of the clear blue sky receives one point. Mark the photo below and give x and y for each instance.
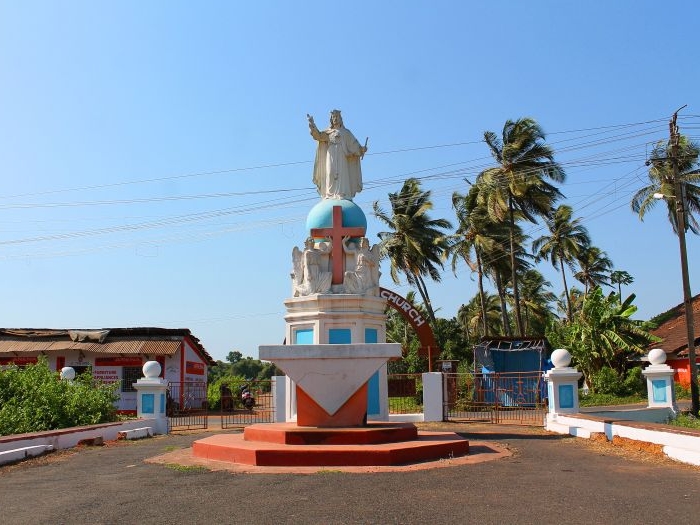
(156, 161)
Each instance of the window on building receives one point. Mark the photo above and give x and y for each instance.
(82, 370)
(130, 374)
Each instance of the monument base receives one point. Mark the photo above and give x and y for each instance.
(286, 444)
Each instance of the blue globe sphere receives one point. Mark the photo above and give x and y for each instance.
(321, 215)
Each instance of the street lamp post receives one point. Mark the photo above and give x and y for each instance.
(679, 198)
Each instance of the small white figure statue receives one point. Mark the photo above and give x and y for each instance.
(364, 279)
(337, 172)
(310, 275)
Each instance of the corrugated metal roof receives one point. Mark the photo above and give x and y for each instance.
(131, 341)
(124, 346)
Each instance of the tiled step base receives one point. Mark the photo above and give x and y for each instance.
(426, 446)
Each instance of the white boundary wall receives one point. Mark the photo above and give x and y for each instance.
(64, 438)
(677, 444)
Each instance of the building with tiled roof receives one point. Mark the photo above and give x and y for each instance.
(674, 338)
(111, 354)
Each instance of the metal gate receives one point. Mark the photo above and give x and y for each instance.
(186, 405)
(235, 414)
(405, 393)
(514, 397)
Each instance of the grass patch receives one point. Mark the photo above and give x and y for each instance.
(185, 468)
(685, 421)
(171, 448)
(329, 472)
(595, 400)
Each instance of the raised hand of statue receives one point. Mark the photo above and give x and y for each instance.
(312, 124)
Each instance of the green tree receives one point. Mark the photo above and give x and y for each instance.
(517, 183)
(604, 333)
(594, 268)
(476, 234)
(620, 277)
(562, 246)
(416, 243)
(536, 298)
(470, 317)
(234, 356)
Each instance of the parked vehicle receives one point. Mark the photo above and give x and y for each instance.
(247, 399)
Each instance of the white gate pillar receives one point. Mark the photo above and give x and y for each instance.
(151, 398)
(660, 391)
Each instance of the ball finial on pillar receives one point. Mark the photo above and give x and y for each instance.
(151, 369)
(657, 356)
(561, 358)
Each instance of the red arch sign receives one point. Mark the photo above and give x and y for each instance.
(429, 347)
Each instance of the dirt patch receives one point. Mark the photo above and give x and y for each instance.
(638, 446)
(629, 449)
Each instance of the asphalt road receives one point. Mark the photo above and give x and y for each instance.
(548, 479)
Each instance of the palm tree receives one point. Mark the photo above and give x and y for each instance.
(594, 267)
(517, 184)
(620, 277)
(416, 243)
(476, 233)
(566, 240)
(470, 316)
(661, 183)
(536, 298)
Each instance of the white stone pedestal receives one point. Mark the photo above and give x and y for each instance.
(330, 374)
(562, 385)
(151, 398)
(660, 391)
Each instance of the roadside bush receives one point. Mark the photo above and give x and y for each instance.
(214, 391)
(608, 381)
(34, 398)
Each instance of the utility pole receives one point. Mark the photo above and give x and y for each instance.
(679, 190)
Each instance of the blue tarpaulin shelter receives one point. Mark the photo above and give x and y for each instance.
(510, 369)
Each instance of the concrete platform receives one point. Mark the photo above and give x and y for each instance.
(426, 446)
(292, 434)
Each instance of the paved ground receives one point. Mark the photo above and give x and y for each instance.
(547, 479)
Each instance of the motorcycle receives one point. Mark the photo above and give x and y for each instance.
(247, 399)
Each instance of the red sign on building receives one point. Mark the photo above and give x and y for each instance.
(195, 368)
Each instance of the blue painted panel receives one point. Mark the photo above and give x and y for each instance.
(339, 336)
(373, 394)
(304, 337)
(162, 403)
(550, 397)
(658, 390)
(147, 402)
(566, 396)
(371, 335)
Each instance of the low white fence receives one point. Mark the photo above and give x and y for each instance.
(19, 446)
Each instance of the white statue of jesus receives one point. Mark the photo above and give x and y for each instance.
(337, 172)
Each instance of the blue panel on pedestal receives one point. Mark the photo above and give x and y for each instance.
(339, 336)
(659, 390)
(147, 402)
(373, 395)
(373, 407)
(566, 396)
(304, 337)
(371, 335)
